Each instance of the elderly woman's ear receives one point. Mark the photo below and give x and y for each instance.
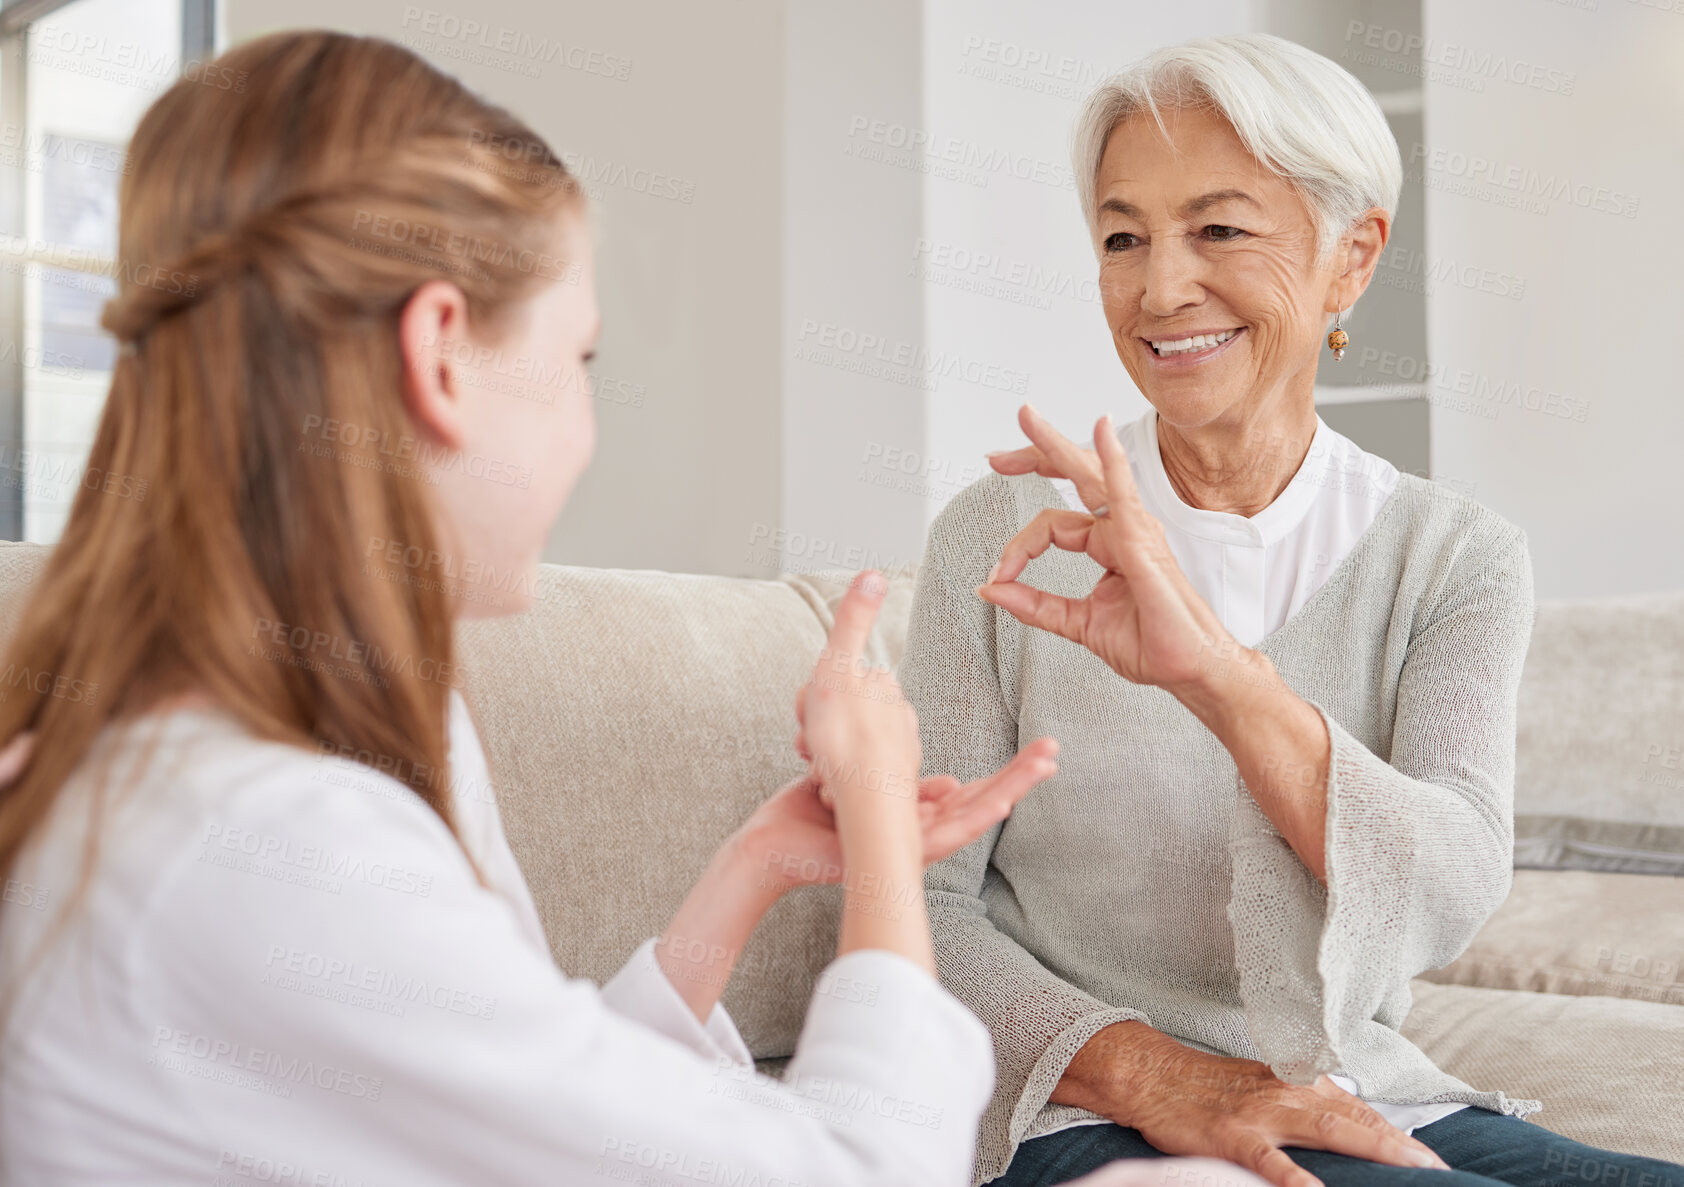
(1359, 254)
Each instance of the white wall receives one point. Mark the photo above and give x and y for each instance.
(690, 289)
(1597, 331)
(853, 316)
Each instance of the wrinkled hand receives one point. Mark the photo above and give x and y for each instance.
(1188, 1102)
(1143, 618)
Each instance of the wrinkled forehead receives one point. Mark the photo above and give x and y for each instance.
(1191, 164)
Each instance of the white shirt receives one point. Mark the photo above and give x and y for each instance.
(284, 973)
(1255, 572)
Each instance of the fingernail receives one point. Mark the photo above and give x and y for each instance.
(993, 575)
(1032, 407)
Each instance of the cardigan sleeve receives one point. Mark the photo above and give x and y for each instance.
(1419, 848)
(951, 675)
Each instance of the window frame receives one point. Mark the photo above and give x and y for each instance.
(198, 42)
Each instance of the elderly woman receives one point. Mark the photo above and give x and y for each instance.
(1282, 674)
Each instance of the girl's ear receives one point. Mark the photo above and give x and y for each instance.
(434, 323)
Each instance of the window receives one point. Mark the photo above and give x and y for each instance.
(75, 78)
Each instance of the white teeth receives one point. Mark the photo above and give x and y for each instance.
(1196, 342)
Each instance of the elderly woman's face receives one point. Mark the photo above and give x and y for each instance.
(1199, 241)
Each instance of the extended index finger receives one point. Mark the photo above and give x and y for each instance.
(855, 615)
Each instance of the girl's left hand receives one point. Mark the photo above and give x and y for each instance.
(1143, 618)
(791, 838)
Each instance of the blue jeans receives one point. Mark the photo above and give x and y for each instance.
(1485, 1148)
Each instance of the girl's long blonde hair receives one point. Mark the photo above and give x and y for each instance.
(254, 443)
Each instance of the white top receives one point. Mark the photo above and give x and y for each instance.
(285, 973)
(1256, 571)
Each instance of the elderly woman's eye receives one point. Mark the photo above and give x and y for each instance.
(1221, 234)
(1120, 241)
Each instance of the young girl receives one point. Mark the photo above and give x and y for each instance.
(326, 279)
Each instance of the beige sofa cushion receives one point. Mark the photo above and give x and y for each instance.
(1610, 1071)
(1599, 777)
(633, 720)
(1583, 933)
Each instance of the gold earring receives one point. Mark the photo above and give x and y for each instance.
(1338, 340)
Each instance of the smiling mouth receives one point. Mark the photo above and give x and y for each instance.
(1169, 348)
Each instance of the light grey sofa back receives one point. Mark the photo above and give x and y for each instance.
(1600, 774)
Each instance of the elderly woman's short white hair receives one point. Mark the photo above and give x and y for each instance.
(1301, 115)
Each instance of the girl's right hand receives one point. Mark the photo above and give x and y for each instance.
(953, 814)
(860, 735)
(859, 731)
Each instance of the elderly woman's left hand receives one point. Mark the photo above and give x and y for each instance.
(1143, 618)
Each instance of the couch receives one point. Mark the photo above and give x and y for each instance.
(632, 719)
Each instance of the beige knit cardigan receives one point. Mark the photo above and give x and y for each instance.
(1143, 882)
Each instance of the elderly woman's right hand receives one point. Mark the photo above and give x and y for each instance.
(1143, 618)
(1188, 1102)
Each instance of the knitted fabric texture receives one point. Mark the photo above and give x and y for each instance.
(1143, 882)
